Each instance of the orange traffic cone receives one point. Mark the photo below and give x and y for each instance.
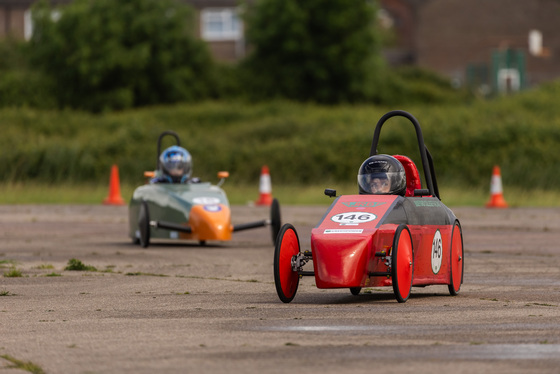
(114, 197)
(496, 193)
(265, 188)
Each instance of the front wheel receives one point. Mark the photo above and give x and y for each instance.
(144, 224)
(402, 263)
(275, 220)
(285, 278)
(457, 260)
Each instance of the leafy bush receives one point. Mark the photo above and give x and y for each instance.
(108, 54)
(413, 85)
(306, 51)
(301, 143)
(19, 84)
(26, 88)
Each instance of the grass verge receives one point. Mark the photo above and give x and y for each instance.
(16, 194)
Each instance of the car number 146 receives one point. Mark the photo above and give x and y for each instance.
(353, 218)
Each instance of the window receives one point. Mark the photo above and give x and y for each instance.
(220, 24)
(28, 22)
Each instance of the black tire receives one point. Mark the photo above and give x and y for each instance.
(144, 224)
(456, 259)
(285, 279)
(355, 290)
(275, 220)
(402, 263)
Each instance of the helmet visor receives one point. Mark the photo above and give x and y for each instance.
(175, 164)
(382, 183)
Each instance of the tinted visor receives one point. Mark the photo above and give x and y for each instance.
(383, 183)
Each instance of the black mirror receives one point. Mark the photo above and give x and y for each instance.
(422, 192)
(330, 192)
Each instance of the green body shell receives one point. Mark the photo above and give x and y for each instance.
(171, 203)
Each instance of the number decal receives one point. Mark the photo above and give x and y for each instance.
(206, 200)
(437, 252)
(353, 218)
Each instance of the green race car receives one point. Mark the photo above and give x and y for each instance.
(173, 205)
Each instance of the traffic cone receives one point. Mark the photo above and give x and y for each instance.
(265, 188)
(114, 197)
(496, 193)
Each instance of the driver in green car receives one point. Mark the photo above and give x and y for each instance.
(175, 166)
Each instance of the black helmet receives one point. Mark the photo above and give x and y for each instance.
(382, 175)
(176, 164)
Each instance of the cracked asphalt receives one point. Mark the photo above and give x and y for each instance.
(182, 308)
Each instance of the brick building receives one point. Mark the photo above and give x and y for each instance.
(503, 44)
(218, 24)
(463, 37)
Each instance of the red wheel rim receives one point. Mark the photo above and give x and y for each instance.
(456, 258)
(288, 278)
(404, 264)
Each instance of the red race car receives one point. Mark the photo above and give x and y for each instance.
(393, 233)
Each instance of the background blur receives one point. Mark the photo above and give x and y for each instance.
(296, 85)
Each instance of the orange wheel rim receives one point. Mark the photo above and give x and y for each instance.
(288, 278)
(456, 258)
(404, 264)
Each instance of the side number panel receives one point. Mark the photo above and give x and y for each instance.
(431, 254)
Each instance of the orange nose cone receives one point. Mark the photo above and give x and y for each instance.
(211, 222)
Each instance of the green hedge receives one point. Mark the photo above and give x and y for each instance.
(301, 144)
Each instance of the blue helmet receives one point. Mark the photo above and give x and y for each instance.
(176, 164)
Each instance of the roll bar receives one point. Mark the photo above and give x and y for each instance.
(161, 136)
(427, 161)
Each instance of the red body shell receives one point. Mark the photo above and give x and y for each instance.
(356, 227)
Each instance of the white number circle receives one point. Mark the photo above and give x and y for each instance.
(437, 252)
(353, 218)
(206, 200)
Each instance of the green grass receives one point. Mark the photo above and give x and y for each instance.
(41, 193)
(23, 365)
(45, 266)
(35, 193)
(7, 263)
(77, 265)
(13, 273)
(303, 144)
(139, 273)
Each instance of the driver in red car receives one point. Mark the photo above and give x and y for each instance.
(382, 175)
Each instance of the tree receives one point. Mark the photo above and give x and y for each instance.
(108, 54)
(313, 50)
(20, 85)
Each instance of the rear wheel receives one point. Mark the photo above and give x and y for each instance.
(402, 263)
(275, 220)
(457, 262)
(285, 278)
(144, 224)
(355, 290)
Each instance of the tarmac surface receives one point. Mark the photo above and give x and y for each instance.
(184, 308)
